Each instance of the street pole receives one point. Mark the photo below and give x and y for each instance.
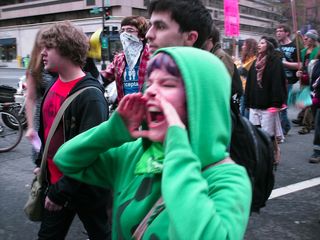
(105, 35)
(103, 64)
(295, 27)
(103, 15)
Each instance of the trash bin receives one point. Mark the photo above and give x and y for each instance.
(26, 61)
(19, 59)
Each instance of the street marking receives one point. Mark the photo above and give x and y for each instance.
(294, 187)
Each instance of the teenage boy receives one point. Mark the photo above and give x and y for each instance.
(128, 67)
(290, 64)
(178, 23)
(64, 50)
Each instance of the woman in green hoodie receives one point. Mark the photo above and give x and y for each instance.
(177, 167)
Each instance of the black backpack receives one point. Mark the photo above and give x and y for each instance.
(252, 148)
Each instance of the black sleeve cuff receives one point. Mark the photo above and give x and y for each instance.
(62, 191)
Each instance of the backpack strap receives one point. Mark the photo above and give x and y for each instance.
(223, 161)
(138, 233)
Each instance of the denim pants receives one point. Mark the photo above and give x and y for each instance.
(243, 110)
(285, 123)
(316, 138)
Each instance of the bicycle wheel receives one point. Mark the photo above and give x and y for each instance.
(9, 138)
(11, 122)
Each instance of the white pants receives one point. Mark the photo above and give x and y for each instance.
(269, 121)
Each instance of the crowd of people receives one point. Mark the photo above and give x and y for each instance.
(159, 167)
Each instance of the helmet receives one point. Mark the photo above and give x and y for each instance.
(95, 45)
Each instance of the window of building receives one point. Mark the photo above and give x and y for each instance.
(8, 50)
(91, 2)
(215, 14)
(140, 12)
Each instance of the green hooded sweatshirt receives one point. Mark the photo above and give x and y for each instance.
(199, 204)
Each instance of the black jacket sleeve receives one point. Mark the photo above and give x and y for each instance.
(278, 78)
(68, 192)
(61, 193)
(87, 111)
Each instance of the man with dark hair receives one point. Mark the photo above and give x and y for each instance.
(64, 50)
(178, 23)
(290, 64)
(213, 45)
(128, 67)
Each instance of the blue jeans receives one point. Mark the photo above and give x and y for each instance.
(285, 123)
(316, 138)
(243, 110)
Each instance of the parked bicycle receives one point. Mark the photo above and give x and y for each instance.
(11, 129)
(10, 136)
(13, 101)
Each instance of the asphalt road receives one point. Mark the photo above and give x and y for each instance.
(10, 76)
(295, 216)
(291, 216)
(15, 178)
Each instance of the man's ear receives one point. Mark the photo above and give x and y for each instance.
(191, 38)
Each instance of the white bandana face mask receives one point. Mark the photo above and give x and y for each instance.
(132, 47)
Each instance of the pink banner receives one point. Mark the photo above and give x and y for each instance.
(231, 18)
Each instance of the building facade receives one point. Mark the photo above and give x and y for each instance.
(21, 19)
(308, 13)
(257, 18)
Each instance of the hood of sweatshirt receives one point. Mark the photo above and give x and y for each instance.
(208, 87)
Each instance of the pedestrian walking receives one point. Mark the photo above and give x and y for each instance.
(290, 64)
(128, 67)
(315, 90)
(307, 54)
(169, 182)
(37, 80)
(266, 91)
(249, 52)
(213, 45)
(178, 23)
(64, 50)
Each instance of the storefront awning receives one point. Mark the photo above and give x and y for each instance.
(7, 42)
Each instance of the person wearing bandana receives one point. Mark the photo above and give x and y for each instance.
(128, 67)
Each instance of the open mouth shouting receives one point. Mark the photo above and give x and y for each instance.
(155, 116)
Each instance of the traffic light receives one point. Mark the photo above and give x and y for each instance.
(104, 40)
(107, 13)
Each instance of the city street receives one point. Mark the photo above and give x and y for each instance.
(292, 213)
(295, 215)
(10, 76)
